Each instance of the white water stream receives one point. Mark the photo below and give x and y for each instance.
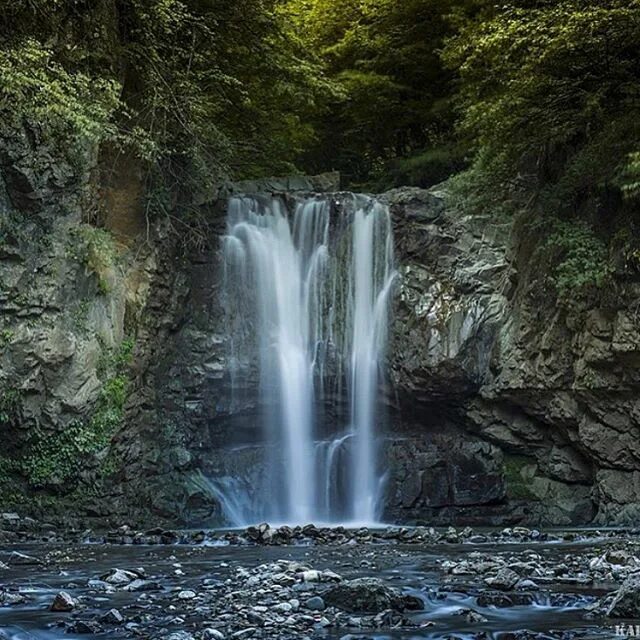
(310, 291)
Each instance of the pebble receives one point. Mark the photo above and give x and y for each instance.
(113, 616)
(119, 577)
(316, 603)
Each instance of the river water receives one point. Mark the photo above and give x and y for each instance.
(558, 610)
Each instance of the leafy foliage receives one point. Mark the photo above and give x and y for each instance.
(196, 89)
(540, 97)
(549, 92)
(70, 105)
(631, 178)
(9, 406)
(54, 460)
(580, 258)
(392, 92)
(96, 249)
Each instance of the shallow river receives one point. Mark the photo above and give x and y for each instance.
(414, 569)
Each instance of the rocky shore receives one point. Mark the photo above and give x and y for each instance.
(315, 582)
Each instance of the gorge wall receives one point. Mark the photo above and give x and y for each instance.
(115, 394)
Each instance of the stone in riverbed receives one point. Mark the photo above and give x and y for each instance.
(143, 585)
(473, 617)
(212, 634)
(11, 598)
(63, 602)
(367, 595)
(84, 627)
(312, 575)
(255, 618)
(119, 577)
(113, 616)
(505, 580)
(316, 603)
(528, 585)
(626, 603)
(178, 635)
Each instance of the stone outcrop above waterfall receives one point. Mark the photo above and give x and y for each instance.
(511, 405)
(323, 183)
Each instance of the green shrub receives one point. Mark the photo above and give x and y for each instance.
(97, 250)
(72, 109)
(580, 258)
(517, 484)
(425, 169)
(55, 460)
(9, 406)
(6, 335)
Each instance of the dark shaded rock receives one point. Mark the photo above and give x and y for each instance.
(143, 585)
(178, 635)
(63, 602)
(316, 603)
(113, 616)
(84, 627)
(119, 577)
(365, 595)
(626, 603)
(505, 580)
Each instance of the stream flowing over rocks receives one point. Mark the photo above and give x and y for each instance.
(312, 582)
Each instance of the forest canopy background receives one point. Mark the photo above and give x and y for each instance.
(526, 98)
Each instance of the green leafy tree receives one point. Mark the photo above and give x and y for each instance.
(549, 94)
(197, 90)
(390, 119)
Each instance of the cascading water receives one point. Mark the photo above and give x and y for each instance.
(309, 291)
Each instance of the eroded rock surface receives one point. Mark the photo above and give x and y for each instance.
(503, 407)
(511, 405)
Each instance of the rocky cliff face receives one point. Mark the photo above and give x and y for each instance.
(528, 410)
(71, 298)
(503, 407)
(115, 385)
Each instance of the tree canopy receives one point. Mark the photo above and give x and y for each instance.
(536, 96)
(549, 93)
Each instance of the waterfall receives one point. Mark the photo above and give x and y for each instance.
(307, 296)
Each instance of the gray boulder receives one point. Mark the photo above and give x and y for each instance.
(368, 595)
(63, 602)
(626, 603)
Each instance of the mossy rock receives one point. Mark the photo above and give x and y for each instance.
(518, 473)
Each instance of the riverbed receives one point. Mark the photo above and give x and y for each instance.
(214, 589)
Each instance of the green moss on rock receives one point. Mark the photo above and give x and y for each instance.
(53, 460)
(517, 480)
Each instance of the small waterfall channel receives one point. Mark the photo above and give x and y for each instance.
(307, 296)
